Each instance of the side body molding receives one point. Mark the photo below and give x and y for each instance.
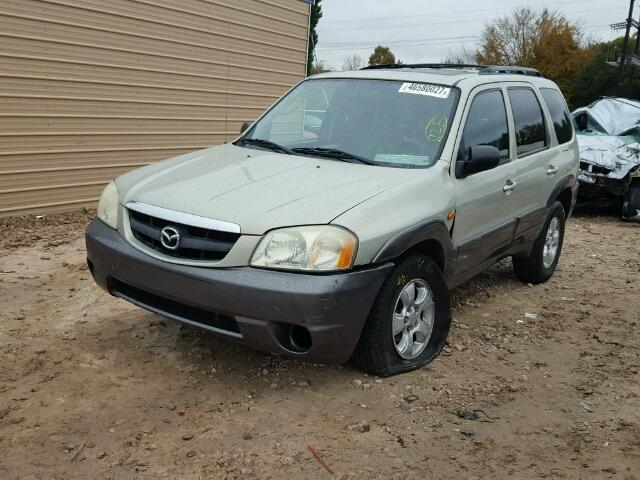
(427, 230)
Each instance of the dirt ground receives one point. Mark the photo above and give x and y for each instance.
(92, 387)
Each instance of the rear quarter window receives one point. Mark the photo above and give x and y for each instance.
(559, 114)
(528, 120)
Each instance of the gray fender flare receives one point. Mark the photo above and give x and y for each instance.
(403, 241)
(567, 181)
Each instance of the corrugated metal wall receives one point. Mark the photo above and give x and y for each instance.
(92, 88)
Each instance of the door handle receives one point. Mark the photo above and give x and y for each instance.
(551, 170)
(510, 185)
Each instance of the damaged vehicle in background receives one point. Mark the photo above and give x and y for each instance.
(609, 139)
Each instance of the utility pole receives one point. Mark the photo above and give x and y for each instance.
(637, 50)
(626, 39)
(635, 58)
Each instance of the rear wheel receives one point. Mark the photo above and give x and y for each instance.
(409, 322)
(540, 264)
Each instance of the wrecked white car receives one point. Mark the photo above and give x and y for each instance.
(609, 140)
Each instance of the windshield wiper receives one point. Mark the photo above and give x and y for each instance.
(333, 153)
(261, 142)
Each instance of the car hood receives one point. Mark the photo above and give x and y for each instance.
(256, 189)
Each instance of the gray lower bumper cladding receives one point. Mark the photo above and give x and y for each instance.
(313, 317)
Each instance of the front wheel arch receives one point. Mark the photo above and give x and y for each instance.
(432, 249)
(431, 238)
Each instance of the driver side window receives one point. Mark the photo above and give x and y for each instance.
(486, 125)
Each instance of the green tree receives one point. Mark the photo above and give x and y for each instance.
(316, 15)
(600, 78)
(382, 56)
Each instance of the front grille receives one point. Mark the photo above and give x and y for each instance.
(176, 310)
(195, 243)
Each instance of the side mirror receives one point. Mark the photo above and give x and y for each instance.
(480, 158)
(244, 126)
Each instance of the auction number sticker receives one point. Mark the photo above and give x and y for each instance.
(425, 89)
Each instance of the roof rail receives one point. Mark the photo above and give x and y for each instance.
(420, 65)
(501, 69)
(482, 69)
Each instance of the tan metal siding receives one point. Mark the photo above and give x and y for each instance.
(92, 88)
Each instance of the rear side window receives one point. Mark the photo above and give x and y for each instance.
(528, 121)
(559, 114)
(486, 125)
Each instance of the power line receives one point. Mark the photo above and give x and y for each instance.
(406, 25)
(407, 40)
(416, 42)
(421, 44)
(453, 12)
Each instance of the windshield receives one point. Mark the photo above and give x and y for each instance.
(387, 123)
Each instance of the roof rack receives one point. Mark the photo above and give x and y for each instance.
(498, 69)
(419, 65)
(482, 69)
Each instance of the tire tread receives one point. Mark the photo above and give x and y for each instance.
(370, 354)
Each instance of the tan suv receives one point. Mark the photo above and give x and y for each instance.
(335, 225)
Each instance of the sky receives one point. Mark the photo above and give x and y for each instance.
(423, 31)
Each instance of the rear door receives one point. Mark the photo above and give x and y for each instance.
(533, 153)
(565, 158)
(484, 220)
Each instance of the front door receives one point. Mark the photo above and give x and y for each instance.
(485, 221)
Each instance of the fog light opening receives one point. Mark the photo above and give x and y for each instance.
(299, 338)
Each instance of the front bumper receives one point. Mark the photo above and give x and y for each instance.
(257, 307)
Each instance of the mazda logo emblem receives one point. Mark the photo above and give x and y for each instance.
(170, 238)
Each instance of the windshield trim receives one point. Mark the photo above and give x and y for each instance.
(445, 137)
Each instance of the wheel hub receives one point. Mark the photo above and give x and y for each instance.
(551, 243)
(413, 319)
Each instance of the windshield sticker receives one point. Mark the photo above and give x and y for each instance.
(436, 128)
(425, 89)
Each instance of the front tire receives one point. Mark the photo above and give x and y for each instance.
(631, 205)
(540, 264)
(409, 321)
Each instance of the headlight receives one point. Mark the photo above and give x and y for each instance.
(321, 248)
(108, 205)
